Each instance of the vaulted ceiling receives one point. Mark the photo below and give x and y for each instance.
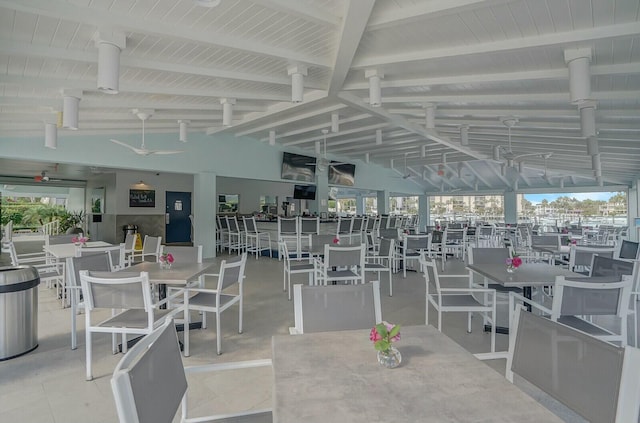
(454, 76)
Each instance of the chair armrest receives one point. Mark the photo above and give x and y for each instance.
(479, 290)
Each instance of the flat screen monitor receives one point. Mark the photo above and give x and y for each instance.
(304, 192)
(628, 250)
(297, 167)
(222, 199)
(342, 173)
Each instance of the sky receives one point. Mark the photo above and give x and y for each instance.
(596, 196)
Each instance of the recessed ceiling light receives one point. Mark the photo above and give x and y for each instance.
(207, 3)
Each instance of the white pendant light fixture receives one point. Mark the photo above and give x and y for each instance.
(50, 135)
(464, 135)
(378, 136)
(375, 89)
(578, 59)
(272, 137)
(110, 44)
(227, 111)
(70, 106)
(183, 129)
(297, 73)
(429, 115)
(335, 122)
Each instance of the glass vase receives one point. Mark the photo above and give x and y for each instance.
(165, 265)
(390, 358)
(511, 269)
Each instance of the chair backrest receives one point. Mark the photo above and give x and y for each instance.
(344, 225)
(606, 266)
(628, 250)
(430, 273)
(592, 377)
(310, 225)
(387, 245)
(552, 241)
(184, 254)
(436, 237)
(222, 220)
(288, 225)
(116, 290)
(357, 225)
(417, 242)
(601, 296)
(12, 253)
(583, 255)
(99, 262)
(384, 222)
(116, 254)
(232, 224)
(483, 255)
(250, 224)
(149, 382)
(371, 223)
(130, 242)
(338, 256)
(152, 244)
(232, 272)
(389, 233)
(336, 307)
(453, 235)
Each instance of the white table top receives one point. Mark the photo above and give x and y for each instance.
(179, 274)
(335, 377)
(61, 251)
(528, 274)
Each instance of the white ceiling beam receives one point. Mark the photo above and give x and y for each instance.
(357, 103)
(317, 127)
(292, 119)
(471, 167)
(515, 44)
(87, 85)
(14, 48)
(306, 11)
(430, 10)
(501, 99)
(85, 15)
(266, 117)
(545, 74)
(368, 128)
(354, 22)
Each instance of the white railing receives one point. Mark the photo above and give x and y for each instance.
(51, 228)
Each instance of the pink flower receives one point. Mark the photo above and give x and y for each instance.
(170, 258)
(573, 241)
(75, 239)
(374, 335)
(516, 261)
(336, 240)
(509, 262)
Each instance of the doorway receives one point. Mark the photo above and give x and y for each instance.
(178, 218)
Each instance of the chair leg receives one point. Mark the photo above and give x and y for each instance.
(469, 322)
(390, 282)
(187, 321)
(240, 315)
(439, 320)
(218, 333)
(87, 341)
(426, 311)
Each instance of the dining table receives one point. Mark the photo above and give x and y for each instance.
(63, 251)
(335, 377)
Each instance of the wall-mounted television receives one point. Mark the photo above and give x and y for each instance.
(342, 173)
(629, 250)
(297, 167)
(304, 192)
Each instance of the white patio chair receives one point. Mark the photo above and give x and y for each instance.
(151, 248)
(294, 265)
(382, 261)
(341, 264)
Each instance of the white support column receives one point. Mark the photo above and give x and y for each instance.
(204, 212)
(321, 204)
(424, 212)
(359, 204)
(383, 202)
(633, 211)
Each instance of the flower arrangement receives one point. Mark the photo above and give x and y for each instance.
(166, 258)
(79, 240)
(513, 263)
(383, 335)
(336, 240)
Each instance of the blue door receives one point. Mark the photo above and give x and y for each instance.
(177, 217)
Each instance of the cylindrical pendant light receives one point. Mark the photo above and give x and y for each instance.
(429, 115)
(70, 106)
(183, 129)
(579, 75)
(51, 135)
(297, 73)
(378, 136)
(335, 122)
(109, 44)
(272, 137)
(464, 135)
(375, 89)
(227, 111)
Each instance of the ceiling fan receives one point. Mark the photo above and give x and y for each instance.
(322, 164)
(406, 174)
(507, 153)
(143, 150)
(44, 178)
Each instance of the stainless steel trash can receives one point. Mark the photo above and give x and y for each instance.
(19, 309)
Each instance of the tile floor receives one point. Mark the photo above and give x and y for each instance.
(47, 385)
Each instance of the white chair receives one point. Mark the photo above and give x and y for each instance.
(412, 248)
(129, 247)
(580, 257)
(341, 264)
(99, 262)
(457, 299)
(49, 270)
(576, 302)
(357, 228)
(236, 236)
(229, 291)
(567, 364)
(149, 384)
(344, 227)
(130, 293)
(336, 307)
(151, 247)
(295, 266)
(116, 254)
(454, 241)
(257, 241)
(382, 261)
(289, 231)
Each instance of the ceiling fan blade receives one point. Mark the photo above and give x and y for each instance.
(132, 148)
(162, 152)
